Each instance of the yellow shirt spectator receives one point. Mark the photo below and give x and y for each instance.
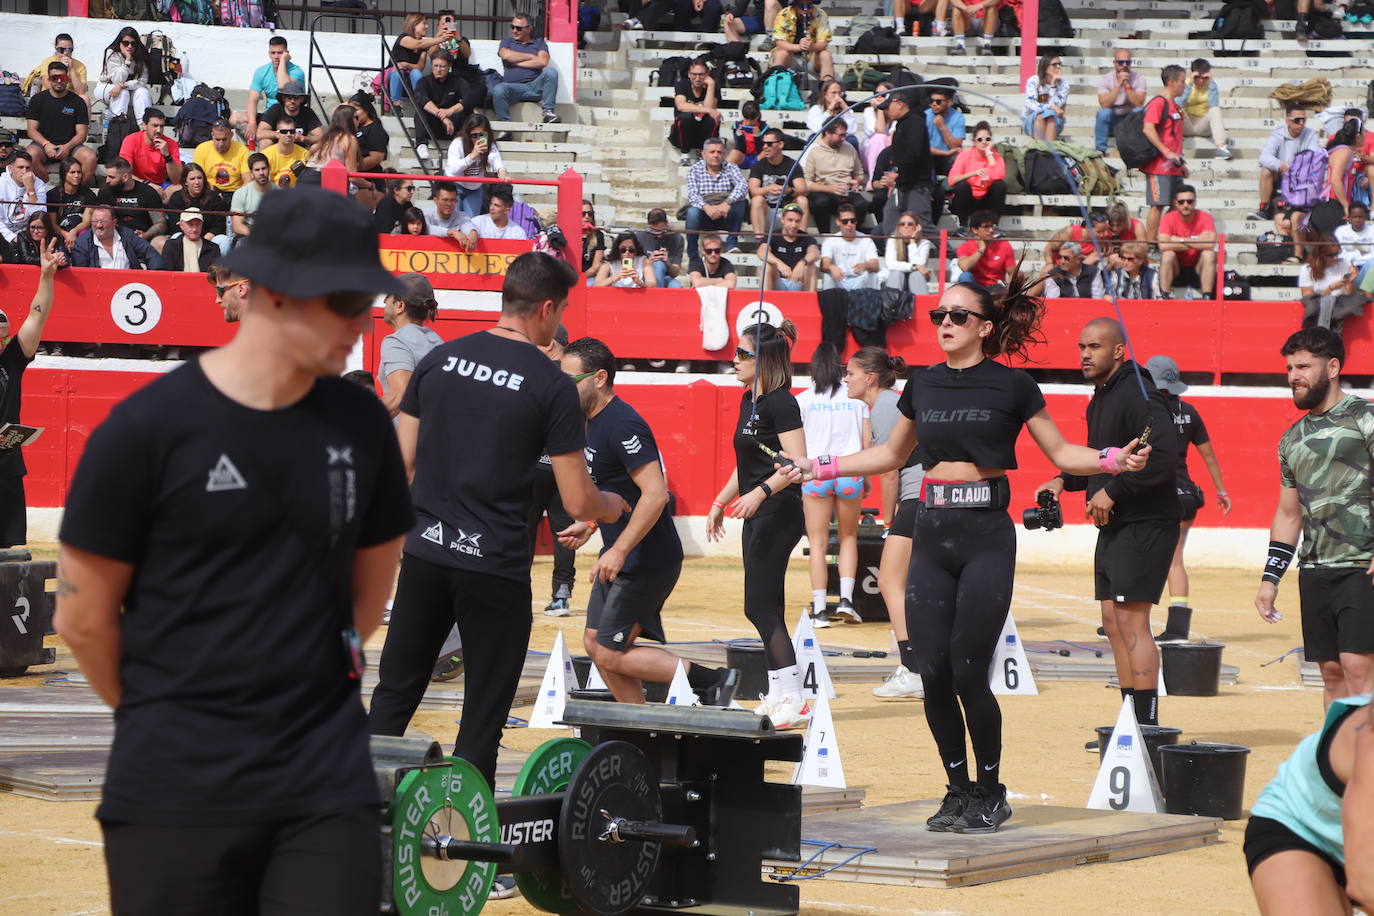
(279, 164)
(1195, 106)
(785, 26)
(40, 74)
(224, 170)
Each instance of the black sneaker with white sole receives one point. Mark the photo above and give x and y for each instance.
(722, 692)
(956, 800)
(987, 810)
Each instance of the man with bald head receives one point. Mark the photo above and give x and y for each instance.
(1136, 513)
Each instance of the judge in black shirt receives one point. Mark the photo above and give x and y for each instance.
(911, 160)
(229, 542)
(965, 415)
(478, 413)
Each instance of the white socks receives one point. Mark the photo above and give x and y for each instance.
(847, 588)
(784, 682)
(818, 596)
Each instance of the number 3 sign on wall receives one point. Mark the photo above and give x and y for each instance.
(135, 308)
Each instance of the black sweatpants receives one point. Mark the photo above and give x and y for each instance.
(326, 864)
(14, 524)
(767, 543)
(546, 498)
(962, 202)
(690, 131)
(824, 205)
(493, 616)
(958, 593)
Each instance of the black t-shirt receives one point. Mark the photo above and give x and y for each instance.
(590, 246)
(777, 413)
(972, 414)
(403, 55)
(683, 87)
(769, 174)
(70, 208)
(618, 442)
(698, 265)
(791, 252)
(58, 118)
(140, 195)
(13, 362)
(372, 139)
(443, 94)
(1188, 423)
(238, 706)
(214, 201)
(306, 121)
(388, 214)
(488, 408)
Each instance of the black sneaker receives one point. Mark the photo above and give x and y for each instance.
(987, 809)
(448, 667)
(1091, 746)
(722, 693)
(956, 800)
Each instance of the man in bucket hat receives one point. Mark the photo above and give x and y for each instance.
(246, 512)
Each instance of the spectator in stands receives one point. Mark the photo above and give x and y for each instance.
(770, 186)
(848, 260)
(528, 76)
(223, 159)
(496, 222)
(1187, 246)
(977, 180)
(749, 17)
(1135, 278)
(712, 268)
(71, 201)
(410, 51)
(29, 245)
(646, 14)
(945, 128)
(113, 247)
(790, 258)
(833, 175)
(124, 76)
(875, 130)
(880, 182)
(912, 187)
(21, 193)
(696, 111)
(1201, 106)
(1121, 227)
(664, 248)
(1047, 95)
(1119, 92)
(474, 154)
(1071, 278)
(748, 131)
(213, 206)
(1356, 238)
(628, 267)
(1077, 232)
(446, 218)
(593, 243)
(62, 50)
(412, 222)
(446, 98)
(716, 192)
(58, 121)
(340, 144)
(248, 198)
(906, 256)
(267, 81)
(6, 146)
(154, 157)
(372, 137)
(291, 103)
(286, 160)
(136, 205)
(189, 251)
(1163, 127)
(1344, 167)
(831, 102)
(400, 192)
(982, 13)
(1287, 140)
(1326, 282)
(803, 29)
(984, 258)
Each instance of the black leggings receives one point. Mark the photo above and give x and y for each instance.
(493, 617)
(958, 593)
(767, 544)
(546, 498)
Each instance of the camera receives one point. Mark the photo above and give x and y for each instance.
(1046, 513)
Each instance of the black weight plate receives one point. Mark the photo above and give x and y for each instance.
(605, 877)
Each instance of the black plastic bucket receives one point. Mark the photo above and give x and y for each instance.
(1156, 736)
(1204, 779)
(596, 694)
(753, 670)
(582, 667)
(1191, 669)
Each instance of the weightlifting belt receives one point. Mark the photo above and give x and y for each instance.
(989, 493)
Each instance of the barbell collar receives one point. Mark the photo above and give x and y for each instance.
(618, 830)
(452, 849)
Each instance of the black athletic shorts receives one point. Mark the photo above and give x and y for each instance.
(1265, 836)
(904, 523)
(13, 521)
(1337, 612)
(633, 598)
(1191, 498)
(1132, 561)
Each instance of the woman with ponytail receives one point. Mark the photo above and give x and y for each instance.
(966, 413)
(403, 349)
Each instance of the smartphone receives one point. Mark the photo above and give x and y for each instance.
(627, 263)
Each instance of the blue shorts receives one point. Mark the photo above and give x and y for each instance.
(1028, 122)
(788, 285)
(843, 487)
(753, 25)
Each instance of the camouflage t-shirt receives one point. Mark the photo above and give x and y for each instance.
(1327, 458)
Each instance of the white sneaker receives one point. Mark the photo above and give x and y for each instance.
(790, 712)
(422, 150)
(765, 707)
(900, 685)
(632, 24)
(941, 29)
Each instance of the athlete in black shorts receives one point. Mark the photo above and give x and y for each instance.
(1136, 514)
(964, 416)
(478, 413)
(641, 556)
(245, 511)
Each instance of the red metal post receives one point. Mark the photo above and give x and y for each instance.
(570, 214)
(1030, 34)
(1218, 291)
(334, 177)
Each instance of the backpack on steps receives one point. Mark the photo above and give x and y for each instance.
(878, 40)
(1305, 180)
(779, 91)
(670, 71)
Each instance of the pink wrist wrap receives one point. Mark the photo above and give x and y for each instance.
(826, 467)
(1108, 460)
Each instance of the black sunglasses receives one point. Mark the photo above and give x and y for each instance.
(958, 316)
(63, 50)
(349, 304)
(712, 250)
(1185, 200)
(845, 221)
(627, 250)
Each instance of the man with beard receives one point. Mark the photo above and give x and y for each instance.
(1326, 477)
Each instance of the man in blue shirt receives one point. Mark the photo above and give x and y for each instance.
(267, 82)
(945, 126)
(528, 77)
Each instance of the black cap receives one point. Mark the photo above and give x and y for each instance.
(310, 242)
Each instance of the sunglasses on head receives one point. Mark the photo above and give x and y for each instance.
(958, 316)
(742, 354)
(349, 304)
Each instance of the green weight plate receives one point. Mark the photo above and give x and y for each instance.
(547, 770)
(452, 800)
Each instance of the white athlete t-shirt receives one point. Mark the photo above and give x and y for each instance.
(833, 423)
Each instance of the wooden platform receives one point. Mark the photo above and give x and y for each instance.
(1037, 839)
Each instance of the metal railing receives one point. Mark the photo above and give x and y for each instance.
(478, 18)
